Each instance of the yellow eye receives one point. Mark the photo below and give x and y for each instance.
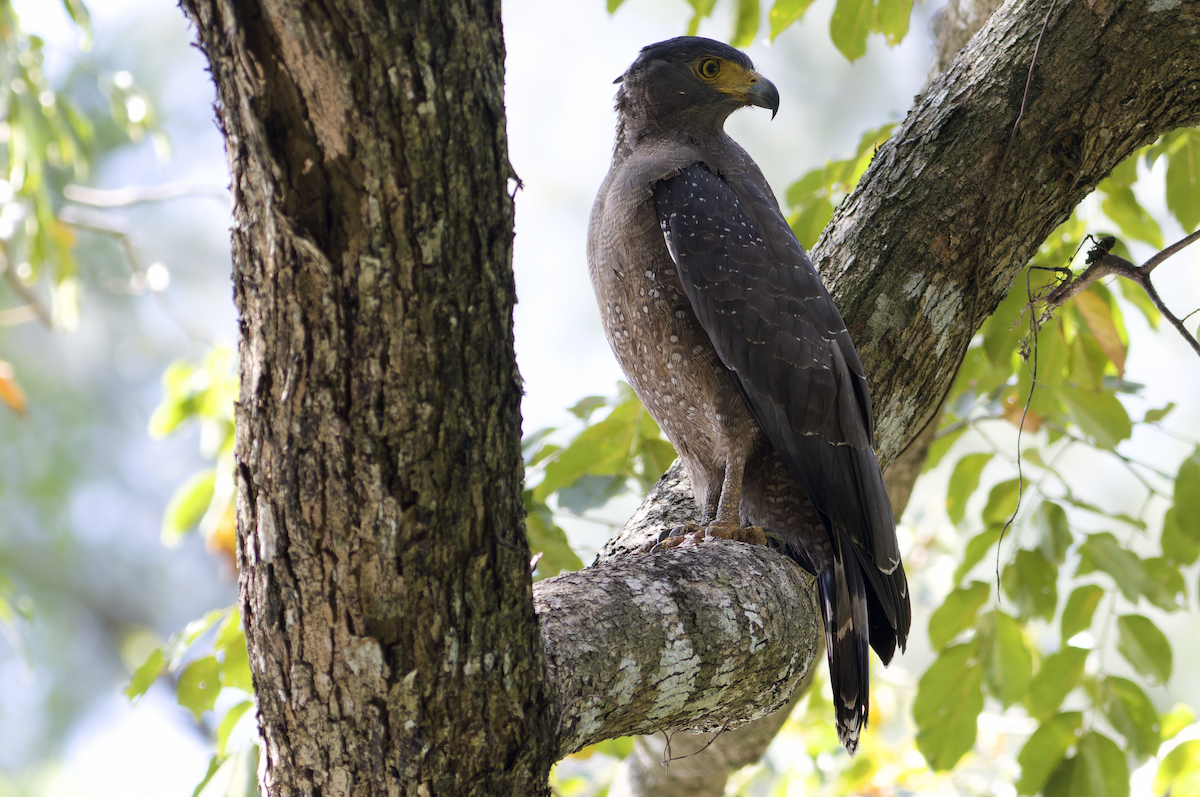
(709, 68)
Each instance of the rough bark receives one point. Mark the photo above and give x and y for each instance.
(383, 563)
(384, 571)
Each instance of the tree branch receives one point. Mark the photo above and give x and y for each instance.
(701, 638)
(906, 256)
(1102, 263)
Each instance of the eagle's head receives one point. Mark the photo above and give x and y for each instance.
(690, 83)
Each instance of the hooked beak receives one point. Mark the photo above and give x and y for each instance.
(764, 95)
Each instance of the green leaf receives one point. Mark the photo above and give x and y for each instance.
(590, 491)
(784, 13)
(612, 5)
(702, 9)
(745, 24)
(963, 482)
(1054, 533)
(228, 722)
(1032, 583)
(1099, 415)
(1171, 595)
(1097, 313)
(849, 26)
(957, 613)
(891, 19)
(1081, 606)
(1187, 497)
(949, 699)
(1183, 180)
(1003, 329)
(809, 221)
(941, 446)
(977, 548)
(1098, 769)
(1131, 713)
(584, 408)
(1059, 674)
(1045, 749)
(548, 539)
(1145, 647)
(235, 668)
(199, 684)
(1154, 416)
(187, 506)
(1102, 552)
(1007, 660)
(1179, 771)
(145, 675)
(1002, 502)
(214, 764)
(1133, 293)
(602, 448)
(1175, 721)
(1122, 207)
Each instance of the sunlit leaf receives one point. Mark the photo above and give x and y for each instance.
(949, 699)
(1179, 771)
(1131, 713)
(1154, 416)
(976, 549)
(145, 675)
(849, 26)
(226, 726)
(187, 506)
(1100, 415)
(963, 482)
(1031, 581)
(1045, 749)
(745, 24)
(1187, 498)
(1145, 647)
(1097, 313)
(199, 684)
(1002, 502)
(600, 449)
(891, 19)
(1007, 659)
(1098, 769)
(957, 613)
(1134, 294)
(1080, 608)
(1122, 207)
(941, 445)
(1056, 677)
(1183, 180)
(1175, 720)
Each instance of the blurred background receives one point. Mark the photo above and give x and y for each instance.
(83, 486)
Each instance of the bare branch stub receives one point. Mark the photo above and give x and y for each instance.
(1102, 263)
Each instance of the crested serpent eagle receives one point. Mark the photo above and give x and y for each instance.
(726, 332)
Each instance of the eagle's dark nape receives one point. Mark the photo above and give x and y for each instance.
(728, 335)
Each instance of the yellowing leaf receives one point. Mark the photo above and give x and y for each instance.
(10, 392)
(1179, 771)
(1097, 314)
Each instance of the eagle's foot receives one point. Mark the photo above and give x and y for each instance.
(694, 534)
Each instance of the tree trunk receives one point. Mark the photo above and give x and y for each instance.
(384, 571)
